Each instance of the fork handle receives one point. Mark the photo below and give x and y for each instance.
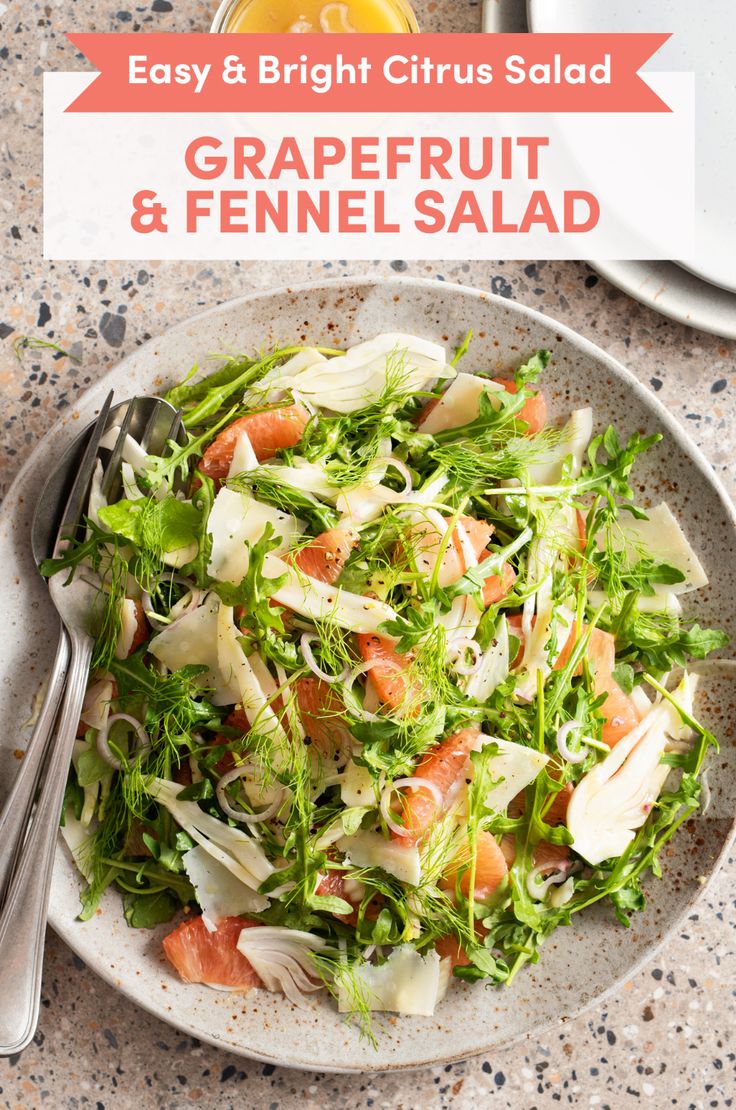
(23, 916)
(16, 812)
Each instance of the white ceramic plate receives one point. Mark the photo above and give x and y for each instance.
(703, 41)
(579, 963)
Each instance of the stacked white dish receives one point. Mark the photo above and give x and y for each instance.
(700, 290)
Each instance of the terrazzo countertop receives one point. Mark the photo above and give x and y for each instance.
(665, 1040)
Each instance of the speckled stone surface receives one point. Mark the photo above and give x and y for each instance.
(667, 1040)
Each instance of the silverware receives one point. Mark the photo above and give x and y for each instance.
(47, 519)
(27, 858)
(503, 16)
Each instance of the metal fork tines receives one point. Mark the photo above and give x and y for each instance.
(27, 847)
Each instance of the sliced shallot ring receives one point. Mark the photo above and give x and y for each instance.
(561, 741)
(103, 747)
(463, 644)
(405, 473)
(560, 873)
(238, 814)
(369, 665)
(416, 782)
(306, 646)
(355, 672)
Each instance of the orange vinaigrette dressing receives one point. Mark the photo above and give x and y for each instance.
(316, 16)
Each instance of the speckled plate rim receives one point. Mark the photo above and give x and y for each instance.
(71, 935)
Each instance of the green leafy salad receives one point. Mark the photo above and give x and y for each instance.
(390, 681)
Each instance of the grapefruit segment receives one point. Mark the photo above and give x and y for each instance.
(443, 766)
(479, 533)
(618, 709)
(324, 557)
(269, 431)
(203, 957)
(322, 714)
(534, 412)
(545, 854)
(491, 868)
(388, 670)
(332, 882)
(497, 586)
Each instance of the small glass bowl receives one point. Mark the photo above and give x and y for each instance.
(230, 10)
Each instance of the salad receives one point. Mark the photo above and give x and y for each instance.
(391, 677)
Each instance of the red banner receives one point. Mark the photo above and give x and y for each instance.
(368, 73)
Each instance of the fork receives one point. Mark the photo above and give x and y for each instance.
(23, 913)
(47, 517)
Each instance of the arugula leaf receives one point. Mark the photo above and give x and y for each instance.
(661, 641)
(221, 386)
(473, 580)
(163, 469)
(532, 368)
(498, 413)
(410, 627)
(255, 591)
(203, 499)
(187, 391)
(623, 674)
(145, 911)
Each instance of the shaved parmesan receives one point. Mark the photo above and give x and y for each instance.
(459, 404)
(234, 663)
(244, 457)
(493, 667)
(235, 850)
(665, 602)
(371, 849)
(322, 602)
(193, 639)
(128, 628)
(406, 983)
(97, 499)
(78, 838)
(358, 378)
(305, 476)
(237, 519)
(219, 892)
(513, 769)
(356, 788)
(616, 796)
(661, 537)
(572, 444)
